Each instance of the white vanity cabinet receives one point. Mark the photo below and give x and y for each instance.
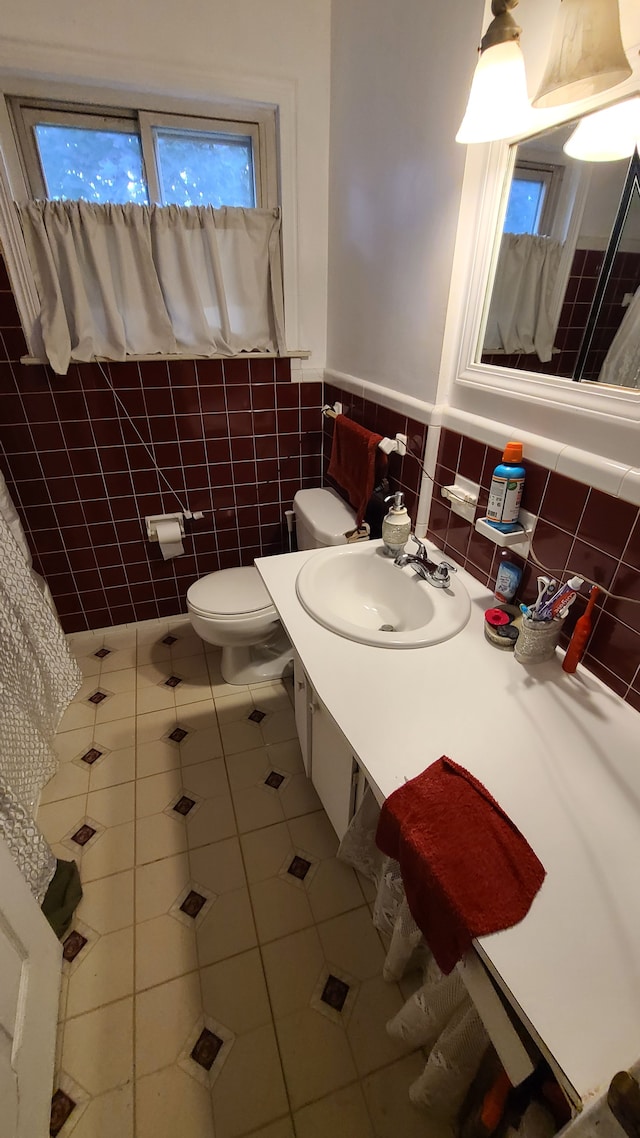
(562, 764)
(328, 757)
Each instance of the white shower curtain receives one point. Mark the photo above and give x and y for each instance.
(38, 679)
(520, 319)
(622, 362)
(122, 280)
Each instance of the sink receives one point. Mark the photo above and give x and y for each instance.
(358, 592)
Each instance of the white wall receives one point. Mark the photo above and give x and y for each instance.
(248, 49)
(399, 79)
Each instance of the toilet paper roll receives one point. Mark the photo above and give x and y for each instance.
(170, 538)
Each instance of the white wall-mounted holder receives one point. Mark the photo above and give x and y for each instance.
(463, 497)
(519, 541)
(398, 445)
(151, 523)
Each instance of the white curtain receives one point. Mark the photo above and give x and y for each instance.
(122, 280)
(38, 679)
(520, 318)
(622, 362)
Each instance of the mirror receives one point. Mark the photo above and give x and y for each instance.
(565, 297)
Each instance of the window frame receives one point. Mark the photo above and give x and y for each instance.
(270, 101)
(548, 175)
(150, 120)
(259, 125)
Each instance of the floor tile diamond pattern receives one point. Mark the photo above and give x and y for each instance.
(62, 1107)
(269, 1052)
(98, 697)
(299, 867)
(206, 1049)
(335, 993)
(257, 716)
(83, 835)
(192, 906)
(91, 756)
(72, 945)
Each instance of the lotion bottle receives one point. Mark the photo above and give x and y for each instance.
(396, 526)
(506, 489)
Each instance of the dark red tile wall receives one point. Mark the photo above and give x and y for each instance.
(587, 263)
(579, 529)
(234, 438)
(403, 473)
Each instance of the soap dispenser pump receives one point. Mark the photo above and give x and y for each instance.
(396, 526)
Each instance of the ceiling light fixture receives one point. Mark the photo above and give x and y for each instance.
(587, 56)
(607, 135)
(498, 104)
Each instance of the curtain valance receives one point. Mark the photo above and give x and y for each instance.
(121, 280)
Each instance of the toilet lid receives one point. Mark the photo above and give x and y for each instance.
(230, 591)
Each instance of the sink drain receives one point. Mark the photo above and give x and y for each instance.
(386, 628)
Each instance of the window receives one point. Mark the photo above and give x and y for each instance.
(102, 154)
(532, 198)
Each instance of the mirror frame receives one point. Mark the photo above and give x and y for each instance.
(490, 167)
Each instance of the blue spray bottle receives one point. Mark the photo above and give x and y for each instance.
(506, 489)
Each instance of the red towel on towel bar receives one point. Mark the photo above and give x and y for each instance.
(467, 870)
(353, 462)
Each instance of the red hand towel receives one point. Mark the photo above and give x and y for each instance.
(467, 870)
(353, 462)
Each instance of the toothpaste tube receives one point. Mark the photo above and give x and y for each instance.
(560, 600)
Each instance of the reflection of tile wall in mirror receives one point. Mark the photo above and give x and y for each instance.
(582, 202)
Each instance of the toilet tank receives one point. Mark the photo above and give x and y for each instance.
(322, 518)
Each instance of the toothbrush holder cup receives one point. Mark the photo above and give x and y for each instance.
(537, 641)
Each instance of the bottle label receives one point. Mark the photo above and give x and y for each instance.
(505, 496)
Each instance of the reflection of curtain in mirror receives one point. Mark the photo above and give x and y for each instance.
(622, 362)
(520, 318)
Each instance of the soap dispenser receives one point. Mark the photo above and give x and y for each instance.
(396, 526)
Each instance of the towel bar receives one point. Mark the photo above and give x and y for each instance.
(398, 445)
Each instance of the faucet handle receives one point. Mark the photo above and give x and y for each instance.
(421, 546)
(440, 575)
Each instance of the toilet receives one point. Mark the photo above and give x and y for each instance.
(232, 608)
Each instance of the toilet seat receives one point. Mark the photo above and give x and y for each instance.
(230, 593)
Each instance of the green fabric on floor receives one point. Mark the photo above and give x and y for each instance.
(62, 897)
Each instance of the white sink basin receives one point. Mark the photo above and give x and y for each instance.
(358, 592)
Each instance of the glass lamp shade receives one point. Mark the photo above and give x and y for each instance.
(587, 55)
(498, 104)
(607, 135)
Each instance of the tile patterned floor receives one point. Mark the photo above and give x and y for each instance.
(223, 976)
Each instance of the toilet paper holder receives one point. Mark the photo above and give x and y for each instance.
(151, 523)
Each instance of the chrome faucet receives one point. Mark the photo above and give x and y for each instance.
(436, 575)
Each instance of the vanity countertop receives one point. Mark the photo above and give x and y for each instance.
(561, 754)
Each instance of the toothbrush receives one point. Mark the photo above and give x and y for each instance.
(578, 641)
(546, 588)
(560, 599)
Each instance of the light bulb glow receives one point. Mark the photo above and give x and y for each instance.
(607, 135)
(498, 104)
